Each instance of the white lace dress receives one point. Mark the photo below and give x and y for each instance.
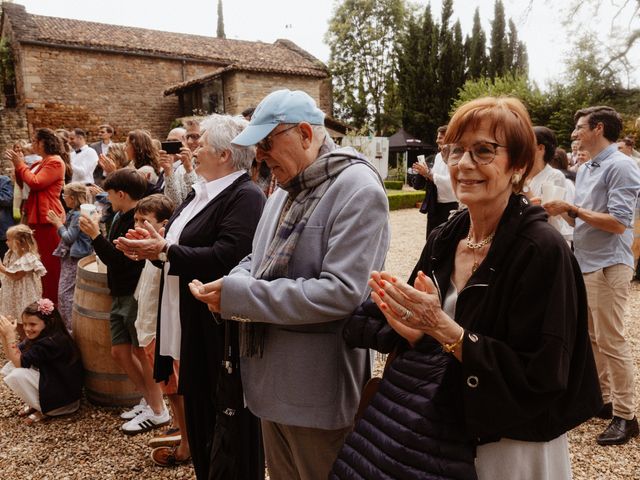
(15, 295)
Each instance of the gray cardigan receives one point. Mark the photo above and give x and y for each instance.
(307, 375)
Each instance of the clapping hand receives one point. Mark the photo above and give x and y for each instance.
(14, 157)
(107, 164)
(142, 243)
(8, 328)
(55, 219)
(208, 293)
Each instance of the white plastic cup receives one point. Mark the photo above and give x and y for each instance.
(421, 160)
(88, 210)
(552, 192)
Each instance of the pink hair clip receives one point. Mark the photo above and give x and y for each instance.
(45, 306)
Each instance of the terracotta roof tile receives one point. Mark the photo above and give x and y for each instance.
(282, 56)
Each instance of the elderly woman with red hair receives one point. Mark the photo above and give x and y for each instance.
(493, 362)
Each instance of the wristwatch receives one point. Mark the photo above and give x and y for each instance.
(162, 256)
(574, 213)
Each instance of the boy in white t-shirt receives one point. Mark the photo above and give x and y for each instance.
(169, 447)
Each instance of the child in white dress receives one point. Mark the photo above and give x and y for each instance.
(20, 274)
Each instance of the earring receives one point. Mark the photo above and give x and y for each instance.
(515, 179)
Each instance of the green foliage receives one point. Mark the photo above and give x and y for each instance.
(362, 37)
(393, 184)
(434, 62)
(398, 200)
(417, 62)
(476, 50)
(220, 30)
(498, 55)
(7, 73)
(588, 85)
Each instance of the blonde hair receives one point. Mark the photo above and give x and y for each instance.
(118, 154)
(77, 191)
(24, 238)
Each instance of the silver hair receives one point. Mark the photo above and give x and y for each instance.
(320, 133)
(219, 130)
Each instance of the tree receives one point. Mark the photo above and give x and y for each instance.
(220, 33)
(362, 38)
(497, 56)
(476, 49)
(417, 61)
(451, 63)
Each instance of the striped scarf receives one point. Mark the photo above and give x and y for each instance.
(305, 192)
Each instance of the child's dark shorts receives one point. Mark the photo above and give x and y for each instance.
(122, 320)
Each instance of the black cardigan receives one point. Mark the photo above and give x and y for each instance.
(211, 244)
(58, 361)
(527, 372)
(122, 272)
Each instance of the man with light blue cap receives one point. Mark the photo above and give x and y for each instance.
(320, 236)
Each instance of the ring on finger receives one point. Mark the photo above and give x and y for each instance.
(406, 315)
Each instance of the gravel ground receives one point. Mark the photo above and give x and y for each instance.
(89, 444)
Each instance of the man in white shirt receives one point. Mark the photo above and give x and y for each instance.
(84, 159)
(439, 175)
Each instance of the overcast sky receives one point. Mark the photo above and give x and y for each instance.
(305, 22)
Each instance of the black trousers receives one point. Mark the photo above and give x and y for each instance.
(200, 413)
(440, 216)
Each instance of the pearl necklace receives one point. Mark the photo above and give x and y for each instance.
(477, 246)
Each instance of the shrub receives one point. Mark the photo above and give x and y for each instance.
(393, 184)
(398, 200)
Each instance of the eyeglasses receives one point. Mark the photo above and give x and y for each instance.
(580, 126)
(483, 153)
(266, 143)
(192, 136)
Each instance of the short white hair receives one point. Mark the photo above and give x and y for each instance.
(219, 130)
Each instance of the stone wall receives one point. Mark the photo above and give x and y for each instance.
(66, 88)
(70, 87)
(246, 89)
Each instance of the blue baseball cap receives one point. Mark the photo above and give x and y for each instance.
(281, 106)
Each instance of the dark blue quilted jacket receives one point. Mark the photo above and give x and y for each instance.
(412, 428)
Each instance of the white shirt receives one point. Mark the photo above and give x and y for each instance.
(170, 308)
(551, 175)
(148, 295)
(83, 164)
(442, 179)
(104, 147)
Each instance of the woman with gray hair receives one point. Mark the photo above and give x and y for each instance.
(205, 238)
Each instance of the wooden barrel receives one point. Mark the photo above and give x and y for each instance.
(105, 383)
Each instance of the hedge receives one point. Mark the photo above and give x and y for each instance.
(393, 184)
(398, 200)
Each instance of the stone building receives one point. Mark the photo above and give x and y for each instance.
(62, 73)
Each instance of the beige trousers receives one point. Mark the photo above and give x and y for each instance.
(300, 453)
(607, 293)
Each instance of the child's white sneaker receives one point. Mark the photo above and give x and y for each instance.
(146, 420)
(135, 411)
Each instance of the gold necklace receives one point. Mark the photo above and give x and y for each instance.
(477, 246)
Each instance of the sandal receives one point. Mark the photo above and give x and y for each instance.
(36, 417)
(26, 411)
(166, 457)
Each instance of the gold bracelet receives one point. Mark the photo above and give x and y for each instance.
(451, 347)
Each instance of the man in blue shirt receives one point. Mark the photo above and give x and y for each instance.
(607, 189)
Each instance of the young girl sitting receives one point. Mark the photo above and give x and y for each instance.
(73, 246)
(20, 274)
(44, 370)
